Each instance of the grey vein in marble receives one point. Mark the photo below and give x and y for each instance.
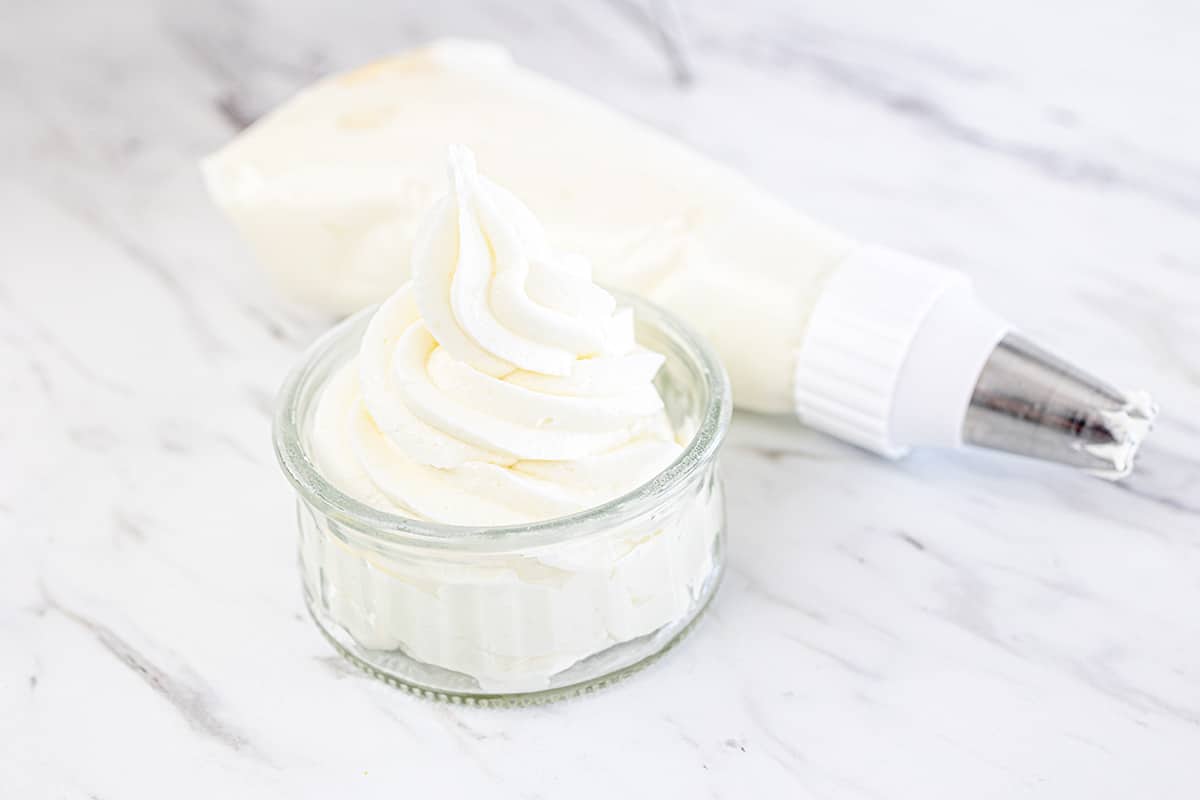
(191, 701)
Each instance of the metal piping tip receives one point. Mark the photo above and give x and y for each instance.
(1032, 403)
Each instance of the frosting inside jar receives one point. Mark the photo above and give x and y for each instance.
(500, 385)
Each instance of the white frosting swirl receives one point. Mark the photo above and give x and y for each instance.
(500, 385)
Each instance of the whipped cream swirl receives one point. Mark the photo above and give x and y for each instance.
(500, 385)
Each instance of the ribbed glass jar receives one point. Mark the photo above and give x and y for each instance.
(520, 613)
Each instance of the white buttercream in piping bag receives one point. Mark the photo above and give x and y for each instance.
(868, 344)
(330, 188)
(500, 385)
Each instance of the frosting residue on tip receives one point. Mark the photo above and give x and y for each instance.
(1127, 427)
(499, 386)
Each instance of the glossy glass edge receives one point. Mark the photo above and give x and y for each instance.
(525, 699)
(375, 523)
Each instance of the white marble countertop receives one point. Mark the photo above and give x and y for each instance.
(956, 625)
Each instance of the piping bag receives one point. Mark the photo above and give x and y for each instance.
(871, 345)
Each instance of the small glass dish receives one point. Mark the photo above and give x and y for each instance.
(526, 613)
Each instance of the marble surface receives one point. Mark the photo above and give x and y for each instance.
(955, 625)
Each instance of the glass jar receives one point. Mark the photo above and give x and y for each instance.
(522, 613)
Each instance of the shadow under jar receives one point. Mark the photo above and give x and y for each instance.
(522, 613)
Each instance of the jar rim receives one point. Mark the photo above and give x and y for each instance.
(393, 528)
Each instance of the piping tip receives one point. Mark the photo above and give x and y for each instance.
(1032, 403)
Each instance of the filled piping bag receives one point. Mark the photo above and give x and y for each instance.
(871, 345)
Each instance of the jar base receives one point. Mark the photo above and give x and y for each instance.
(620, 661)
